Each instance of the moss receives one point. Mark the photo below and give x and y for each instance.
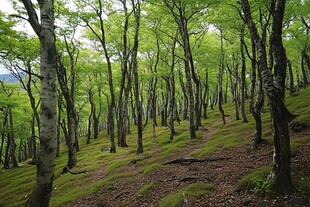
(116, 165)
(251, 180)
(151, 168)
(219, 141)
(303, 186)
(147, 189)
(192, 191)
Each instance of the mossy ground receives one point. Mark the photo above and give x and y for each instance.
(104, 169)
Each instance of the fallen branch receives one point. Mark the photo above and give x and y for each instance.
(191, 160)
(66, 169)
(134, 161)
(193, 178)
(120, 194)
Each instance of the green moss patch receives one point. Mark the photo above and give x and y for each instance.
(147, 189)
(254, 180)
(192, 191)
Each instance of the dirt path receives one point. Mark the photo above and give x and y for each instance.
(223, 174)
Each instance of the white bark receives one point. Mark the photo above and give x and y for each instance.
(48, 133)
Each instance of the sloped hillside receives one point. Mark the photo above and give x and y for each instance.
(226, 171)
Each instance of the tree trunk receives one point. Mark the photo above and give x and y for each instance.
(206, 96)
(185, 97)
(165, 100)
(280, 174)
(11, 137)
(292, 88)
(305, 62)
(243, 80)
(48, 113)
(136, 7)
(122, 111)
(71, 113)
(92, 106)
(256, 105)
(220, 81)
(281, 171)
(180, 19)
(6, 162)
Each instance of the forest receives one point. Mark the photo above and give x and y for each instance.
(155, 103)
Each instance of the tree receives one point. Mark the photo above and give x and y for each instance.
(182, 17)
(137, 11)
(44, 29)
(280, 174)
(100, 33)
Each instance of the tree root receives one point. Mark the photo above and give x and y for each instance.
(134, 161)
(191, 160)
(66, 169)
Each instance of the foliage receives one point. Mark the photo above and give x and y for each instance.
(255, 180)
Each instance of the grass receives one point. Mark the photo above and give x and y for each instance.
(195, 190)
(16, 184)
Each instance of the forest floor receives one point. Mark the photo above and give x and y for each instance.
(229, 174)
(224, 175)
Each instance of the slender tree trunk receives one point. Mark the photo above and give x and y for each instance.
(292, 87)
(3, 134)
(59, 106)
(206, 95)
(243, 80)
(154, 93)
(256, 105)
(171, 89)
(305, 61)
(185, 99)
(165, 99)
(220, 81)
(6, 163)
(92, 106)
(123, 113)
(71, 112)
(180, 19)
(136, 7)
(12, 140)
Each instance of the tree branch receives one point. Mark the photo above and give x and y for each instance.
(32, 17)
